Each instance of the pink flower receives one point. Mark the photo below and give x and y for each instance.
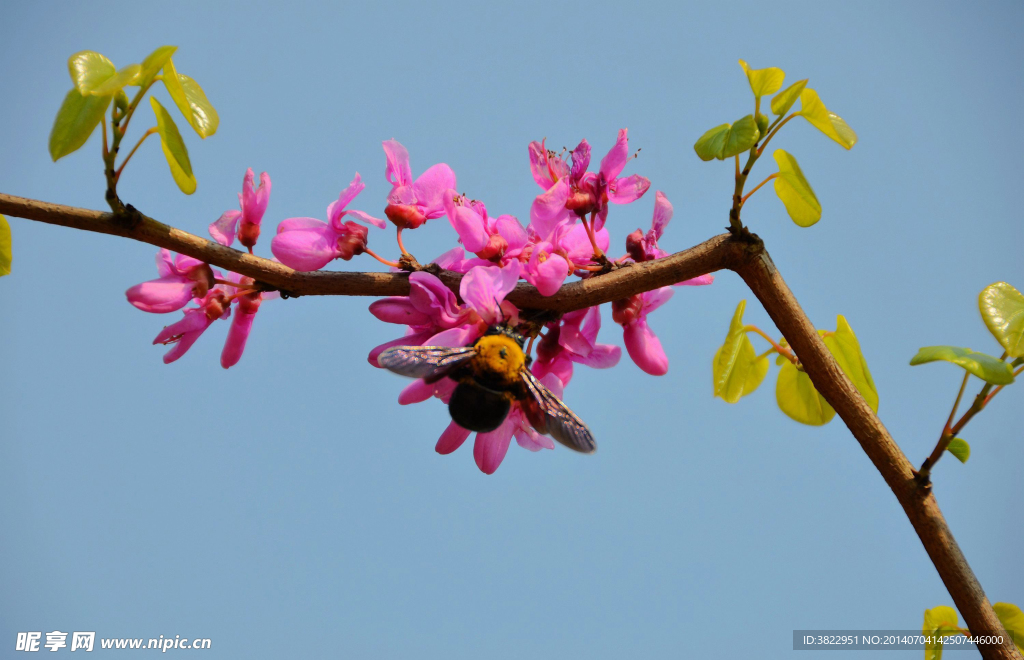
(498, 239)
(181, 279)
(642, 344)
(308, 244)
(253, 204)
(573, 339)
(411, 203)
(551, 262)
(644, 247)
(247, 304)
(489, 448)
(213, 306)
(571, 191)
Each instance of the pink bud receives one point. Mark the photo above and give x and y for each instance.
(626, 310)
(405, 216)
(635, 246)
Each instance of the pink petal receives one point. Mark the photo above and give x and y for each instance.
(452, 260)
(539, 165)
(161, 296)
(662, 214)
(367, 218)
(512, 231)
(164, 263)
(224, 228)
(398, 310)
(431, 187)
(397, 171)
(451, 439)
(628, 189)
(291, 224)
(656, 298)
(412, 339)
(548, 209)
(580, 160)
(530, 439)
(645, 349)
(591, 324)
(190, 328)
(238, 335)
(431, 297)
(617, 157)
(549, 275)
(702, 280)
(335, 209)
(415, 392)
(467, 223)
(305, 249)
(490, 448)
(483, 288)
(462, 336)
(560, 368)
(603, 356)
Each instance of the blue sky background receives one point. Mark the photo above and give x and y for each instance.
(290, 508)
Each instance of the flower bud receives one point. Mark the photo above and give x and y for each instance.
(352, 240)
(582, 202)
(405, 216)
(248, 233)
(626, 310)
(635, 246)
(496, 246)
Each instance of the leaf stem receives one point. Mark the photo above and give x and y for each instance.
(768, 139)
(756, 188)
(999, 389)
(781, 350)
(117, 175)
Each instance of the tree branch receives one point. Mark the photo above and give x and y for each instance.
(747, 257)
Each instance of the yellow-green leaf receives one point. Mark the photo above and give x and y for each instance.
(174, 149)
(959, 448)
(191, 100)
(796, 396)
(989, 369)
(792, 188)
(785, 99)
(939, 621)
(89, 70)
(845, 349)
(763, 81)
(832, 125)
(728, 140)
(1002, 307)
(153, 63)
(115, 83)
(77, 118)
(5, 247)
(1013, 620)
(736, 370)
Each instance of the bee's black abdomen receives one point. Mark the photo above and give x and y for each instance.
(477, 408)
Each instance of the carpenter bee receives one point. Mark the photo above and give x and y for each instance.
(491, 374)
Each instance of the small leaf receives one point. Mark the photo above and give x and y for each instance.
(959, 448)
(174, 149)
(728, 140)
(5, 247)
(77, 118)
(1013, 620)
(763, 82)
(785, 99)
(845, 349)
(832, 125)
(736, 370)
(989, 369)
(794, 191)
(191, 100)
(115, 83)
(153, 63)
(89, 70)
(939, 621)
(796, 396)
(1002, 308)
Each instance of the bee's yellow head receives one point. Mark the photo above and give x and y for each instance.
(500, 356)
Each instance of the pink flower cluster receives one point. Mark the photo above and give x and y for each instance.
(566, 236)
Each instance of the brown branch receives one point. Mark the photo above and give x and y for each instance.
(747, 257)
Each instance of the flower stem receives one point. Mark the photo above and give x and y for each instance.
(393, 264)
(598, 252)
(400, 245)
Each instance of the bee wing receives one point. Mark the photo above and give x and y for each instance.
(547, 414)
(432, 363)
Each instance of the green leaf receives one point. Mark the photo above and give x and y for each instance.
(763, 82)
(153, 63)
(939, 621)
(728, 140)
(174, 149)
(191, 100)
(832, 125)
(989, 369)
(1013, 620)
(794, 191)
(845, 349)
(1002, 307)
(959, 448)
(785, 99)
(115, 83)
(77, 118)
(89, 70)
(5, 247)
(796, 396)
(736, 370)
